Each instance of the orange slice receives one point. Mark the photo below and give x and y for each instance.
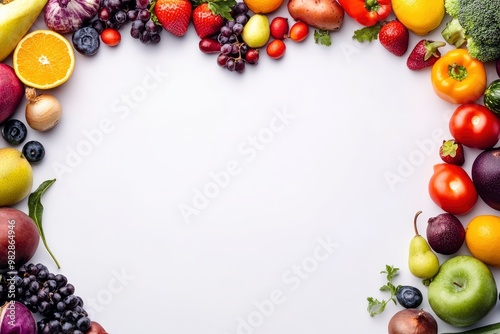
(43, 59)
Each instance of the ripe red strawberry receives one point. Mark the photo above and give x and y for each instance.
(424, 54)
(452, 152)
(394, 36)
(174, 15)
(206, 22)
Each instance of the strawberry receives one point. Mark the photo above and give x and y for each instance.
(424, 54)
(207, 22)
(174, 15)
(452, 152)
(394, 36)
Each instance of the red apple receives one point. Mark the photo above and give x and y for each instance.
(11, 91)
(19, 238)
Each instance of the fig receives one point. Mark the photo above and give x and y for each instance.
(485, 174)
(16, 318)
(445, 233)
(19, 238)
(11, 91)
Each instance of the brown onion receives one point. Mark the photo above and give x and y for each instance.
(42, 111)
(413, 321)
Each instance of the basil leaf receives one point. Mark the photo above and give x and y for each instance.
(35, 211)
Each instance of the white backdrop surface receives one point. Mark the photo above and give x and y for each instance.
(194, 200)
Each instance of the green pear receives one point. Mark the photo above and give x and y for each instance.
(16, 18)
(257, 31)
(422, 261)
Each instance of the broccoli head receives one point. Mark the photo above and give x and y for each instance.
(477, 23)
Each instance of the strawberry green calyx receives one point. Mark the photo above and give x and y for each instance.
(450, 148)
(431, 48)
(218, 7)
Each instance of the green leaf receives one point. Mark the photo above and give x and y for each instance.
(322, 37)
(367, 34)
(222, 7)
(35, 208)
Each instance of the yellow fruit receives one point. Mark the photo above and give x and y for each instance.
(257, 31)
(16, 176)
(482, 237)
(263, 6)
(44, 59)
(419, 16)
(16, 18)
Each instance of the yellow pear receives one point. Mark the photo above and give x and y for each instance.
(257, 31)
(16, 176)
(422, 261)
(16, 18)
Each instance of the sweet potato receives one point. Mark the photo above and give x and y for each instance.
(321, 14)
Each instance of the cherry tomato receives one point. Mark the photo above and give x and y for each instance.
(451, 188)
(475, 126)
(276, 49)
(299, 31)
(111, 37)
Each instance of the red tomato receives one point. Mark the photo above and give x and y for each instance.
(451, 188)
(474, 125)
(111, 37)
(276, 49)
(299, 31)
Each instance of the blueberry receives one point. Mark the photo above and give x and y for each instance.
(14, 131)
(86, 41)
(33, 151)
(409, 296)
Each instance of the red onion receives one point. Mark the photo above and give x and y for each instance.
(66, 16)
(16, 318)
(413, 321)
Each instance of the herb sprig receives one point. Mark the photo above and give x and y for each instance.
(35, 208)
(376, 306)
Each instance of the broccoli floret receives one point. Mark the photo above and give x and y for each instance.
(476, 22)
(482, 52)
(451, 7)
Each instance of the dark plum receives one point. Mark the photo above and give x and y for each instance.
(14, 131)
(409, 296)
(86, 41)
(486, 176)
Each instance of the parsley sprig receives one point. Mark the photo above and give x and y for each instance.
(376, 306)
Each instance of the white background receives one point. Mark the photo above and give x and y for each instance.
(355, 115)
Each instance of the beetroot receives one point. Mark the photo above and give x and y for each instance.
(486, 176)
(11, 91)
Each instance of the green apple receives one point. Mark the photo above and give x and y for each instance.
(463, 291)
(16, 18)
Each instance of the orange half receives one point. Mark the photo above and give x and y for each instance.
(43, 59)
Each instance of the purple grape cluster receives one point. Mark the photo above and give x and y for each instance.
(233, 50)
(143, 27)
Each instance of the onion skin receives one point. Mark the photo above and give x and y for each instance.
(66, 16)
(413, 321)
(16, 318)
(43, 111)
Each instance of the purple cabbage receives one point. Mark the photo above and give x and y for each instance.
(66, 16)
(16, 318)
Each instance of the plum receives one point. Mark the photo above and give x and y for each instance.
(486, 176)
(16, 318)
(19, 238)
(11, 91)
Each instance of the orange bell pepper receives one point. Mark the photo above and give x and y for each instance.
(458, 78)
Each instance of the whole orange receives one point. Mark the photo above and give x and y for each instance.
(482, 237)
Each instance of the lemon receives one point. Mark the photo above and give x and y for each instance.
(16, 176)
(263, 6)
(419, 16)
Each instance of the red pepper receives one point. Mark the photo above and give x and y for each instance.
(367, 12)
